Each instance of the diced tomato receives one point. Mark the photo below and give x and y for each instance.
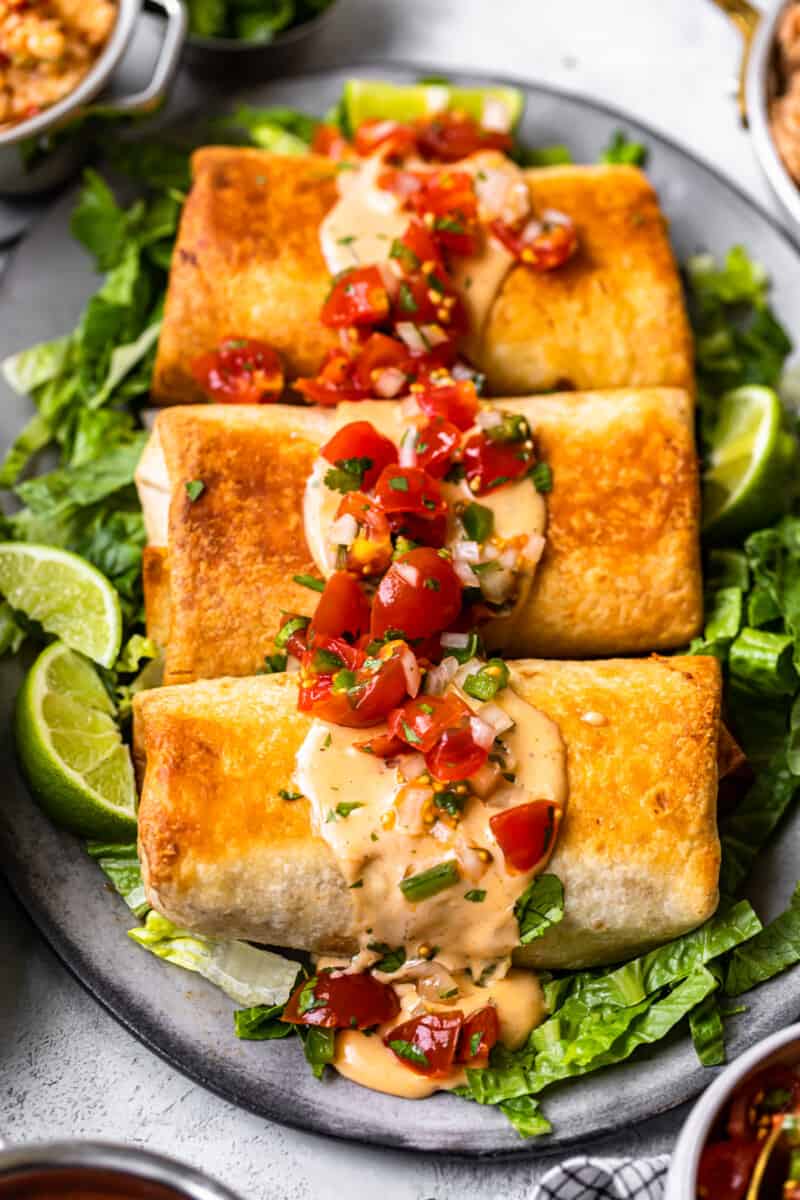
(456, 755)
(334, 384)
(403, 184)
(371, 552)
(489, 464)
(422, 721)
(360, 439)
(773, 1090)
(420, 594)
(726, 1169)
(448, 136)
(427, 1045)
(337, 1001)
(359, 694)
(526, 833)
(480, 1032)
(417, 248)
(358, 297)
(392, 137)
(540, 245)
(240, 371)
(409, 490)
(380, 358)
(328, 140)
(383, 745)
(454, 399)
(343, 609)
(436, 445)
(446, 200)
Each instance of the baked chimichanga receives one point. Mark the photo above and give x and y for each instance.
(619, 572)
(230, 846)
(248, 264)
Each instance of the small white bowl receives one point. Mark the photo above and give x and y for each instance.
(759, 70)
(781, 1047)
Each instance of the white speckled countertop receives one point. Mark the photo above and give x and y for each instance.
(66, 1068)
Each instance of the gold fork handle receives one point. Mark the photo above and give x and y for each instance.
(745, 17)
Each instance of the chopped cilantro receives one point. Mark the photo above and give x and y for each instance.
(406, 299)
(392, 958)
(398, 483)
(285, 794)
(348, 474)
(476, 895)
(408, 1050)
(195, 489)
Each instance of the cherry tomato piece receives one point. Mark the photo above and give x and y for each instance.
(417, 249)
(449, 136)
(329, 141)
(480, 1032)
(448, 199)
(526, 833)
(357, 297)
(422, 721)
(240, 371)
(343, 609)
(360, 439)
(338, 1001)
(371, 552)
(726, 1169)
(297, 642)
(420, 594)
(392, 137)
(489, 464)
(383, 367)
(436, 445)
(426, 1045)
(456, 400)
(456, 754)
(409, 490)
(383, 745)
(359, 693)
(540, 245)
(334, 384)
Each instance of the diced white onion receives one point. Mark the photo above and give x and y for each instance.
(469, 552)
(412, 337)
(488, 418)
(407, 452)
(495, 115)
(343, 531)
(390, 382)
(410, 807)
(497, 584)
(409, 408)
(458, 641)
(553, 217)
(413, 675)
(408, 572)
(292, 663)
(484, 781)
(495, 716)
(472, 864)
(438, 679)
(434, 335)
(465, 573)
(390, 280)
(532, 230)
(508, 558)
(534, 547)
(437, 982)
(482, 732)
(412, 765)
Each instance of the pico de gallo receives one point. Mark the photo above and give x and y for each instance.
(404, 318)
(754, 1147)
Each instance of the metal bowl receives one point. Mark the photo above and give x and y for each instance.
(17, 178)
(20, 1162)
(761, 72)
(233, 59)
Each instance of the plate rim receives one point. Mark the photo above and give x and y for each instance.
(70, 956)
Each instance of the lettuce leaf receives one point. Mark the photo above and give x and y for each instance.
(261, 1023)
(773, 950)
(248, 975)
(120, 862)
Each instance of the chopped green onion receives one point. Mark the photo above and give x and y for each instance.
(476, 895)
(287, 795)
(308, 581)
(478, 522)
(542, 476)
(486, 683)
(292, 626)
(429, 883)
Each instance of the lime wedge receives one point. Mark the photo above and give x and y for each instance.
(744, 485)
(66, 594)
(367, 98)
(70, 748)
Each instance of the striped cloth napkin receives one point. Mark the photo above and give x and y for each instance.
(583, 1178)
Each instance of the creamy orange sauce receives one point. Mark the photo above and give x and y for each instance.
(360, 228)
(364, 1059)
(383, 840)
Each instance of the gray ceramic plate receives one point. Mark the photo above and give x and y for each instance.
(178, 1015)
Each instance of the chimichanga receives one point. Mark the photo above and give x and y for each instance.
(620, 571)
(224, 853)
(248, 263)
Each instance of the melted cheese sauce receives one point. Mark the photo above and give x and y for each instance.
(155, 493)
(361, 226)
(365, 1060)
(381, 841)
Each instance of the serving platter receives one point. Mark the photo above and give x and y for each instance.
(178, 1015)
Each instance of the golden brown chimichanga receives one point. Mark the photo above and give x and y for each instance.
(620, 571)
(248, 264)
(225, 854)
